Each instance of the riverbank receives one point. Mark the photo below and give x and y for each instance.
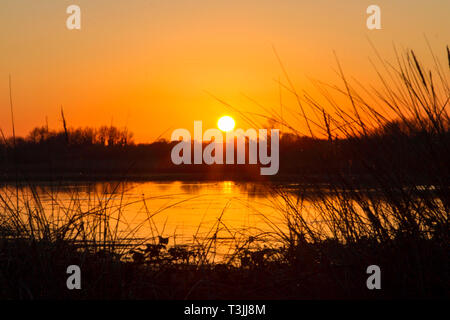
(325, 270)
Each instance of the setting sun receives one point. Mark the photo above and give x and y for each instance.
(226, 123)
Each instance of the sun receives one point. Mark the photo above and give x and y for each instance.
(226, 123)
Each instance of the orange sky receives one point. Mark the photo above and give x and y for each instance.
(147, 64)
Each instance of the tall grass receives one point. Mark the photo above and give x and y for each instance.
(394, 212)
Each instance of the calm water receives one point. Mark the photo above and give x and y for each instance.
(179, 210)
(185, 212)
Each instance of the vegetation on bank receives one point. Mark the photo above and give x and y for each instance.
(302, 158)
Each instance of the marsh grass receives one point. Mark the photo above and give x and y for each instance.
(394, 214)
(389, 204)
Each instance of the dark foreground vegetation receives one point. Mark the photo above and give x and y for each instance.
(386, 202)
(411, 268)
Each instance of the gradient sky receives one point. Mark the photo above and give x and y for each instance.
(147, 64)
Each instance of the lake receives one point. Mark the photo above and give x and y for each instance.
(225, 214)
(181, 211)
